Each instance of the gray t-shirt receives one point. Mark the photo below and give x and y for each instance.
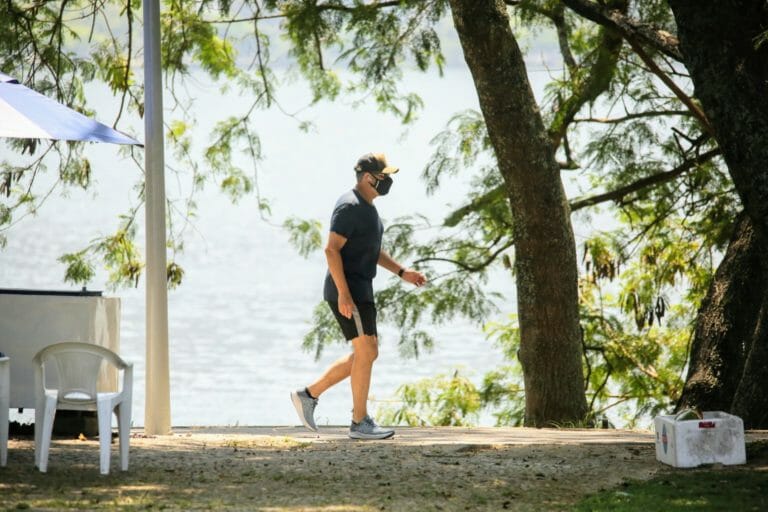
(358, 222)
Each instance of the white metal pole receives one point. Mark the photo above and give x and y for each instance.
(157, 410)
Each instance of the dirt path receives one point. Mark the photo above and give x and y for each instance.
(289, 469)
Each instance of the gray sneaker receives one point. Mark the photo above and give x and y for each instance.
(305, 407)
(368, 429)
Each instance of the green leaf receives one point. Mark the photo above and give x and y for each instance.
(79, 270)
(304, 235)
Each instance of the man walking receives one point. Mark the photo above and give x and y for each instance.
(353, 252)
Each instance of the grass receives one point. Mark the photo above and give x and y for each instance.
(698, 490)
(716, 488)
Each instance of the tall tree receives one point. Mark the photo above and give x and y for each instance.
(721, 45)
(545, 254)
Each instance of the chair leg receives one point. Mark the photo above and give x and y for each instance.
(3, 434)
(124, 431)
(39, 415)
(49, 414)
(105, 434)
(4, 405)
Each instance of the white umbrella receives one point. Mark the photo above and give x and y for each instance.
(27, 114)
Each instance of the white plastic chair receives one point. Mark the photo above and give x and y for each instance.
(77, 366)
(5, 404)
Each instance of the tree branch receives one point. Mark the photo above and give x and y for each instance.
(556, 14)
(629, 117)
(499, 192)
(655, 179)
(467, 267)
(491, 197)
(563, 32)
(127, 75)
(684, 98)
(630, 28)
(589, 83)
(320, 7)
(261, 59)
(533, 7)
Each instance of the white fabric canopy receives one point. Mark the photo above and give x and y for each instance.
(26, 114)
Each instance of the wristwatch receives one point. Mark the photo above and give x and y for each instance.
(400, 272)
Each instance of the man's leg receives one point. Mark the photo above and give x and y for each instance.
(366, 350)
(336, 372)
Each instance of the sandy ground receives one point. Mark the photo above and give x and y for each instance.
(290, 469)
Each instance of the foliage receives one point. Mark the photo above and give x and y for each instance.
(442, 400)
(448, 293)
(636, 338)
(456, 400)
(643, 280)
(79, 269)
(501, 389)
(630, 140)
(325, 330)
(59, 48)
(305, 235)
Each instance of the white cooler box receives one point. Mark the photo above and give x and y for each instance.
(717, 437)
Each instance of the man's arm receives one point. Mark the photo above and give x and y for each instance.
(336, 268)
(409, 275)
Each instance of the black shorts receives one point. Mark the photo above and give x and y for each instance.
(363, 320)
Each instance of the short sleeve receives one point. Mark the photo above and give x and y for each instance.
(343, 220)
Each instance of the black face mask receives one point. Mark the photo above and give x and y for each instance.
(383, 186)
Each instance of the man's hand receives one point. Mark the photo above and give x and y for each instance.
(414, 277)
(346, 305)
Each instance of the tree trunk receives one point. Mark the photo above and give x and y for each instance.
(545, 252)
(729, 361)
(729, 355)
(730, 76)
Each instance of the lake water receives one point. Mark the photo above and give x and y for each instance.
(237, 322)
